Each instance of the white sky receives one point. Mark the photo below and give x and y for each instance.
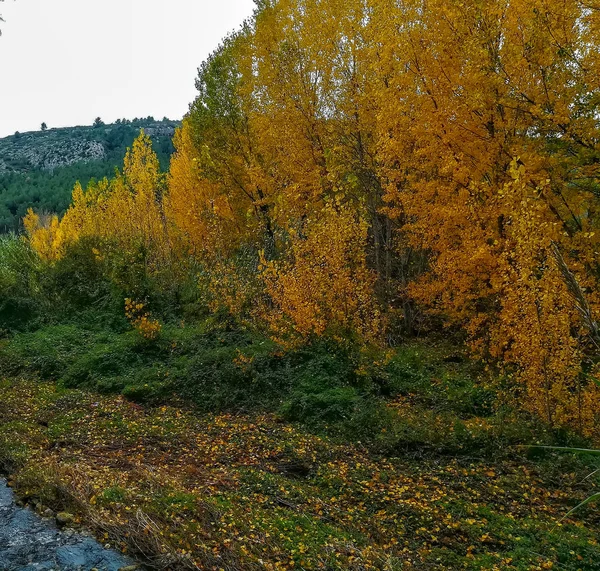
(66, 62)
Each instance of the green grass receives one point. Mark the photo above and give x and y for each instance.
(251, 491)
(425, 396)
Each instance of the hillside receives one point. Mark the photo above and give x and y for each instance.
(39, 169)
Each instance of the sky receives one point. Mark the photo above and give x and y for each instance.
(66, 62)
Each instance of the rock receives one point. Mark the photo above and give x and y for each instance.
(29, 542)
(64, 518)
(48, 513)
(129, 568)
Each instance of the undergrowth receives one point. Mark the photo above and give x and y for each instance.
(181, 490)
(423, 396)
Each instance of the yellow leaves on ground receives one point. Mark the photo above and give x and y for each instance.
(224, 490)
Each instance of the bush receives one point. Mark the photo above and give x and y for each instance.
(48, 351)
(416, 401)
(19, 276)
(78, 281)
(321, 404)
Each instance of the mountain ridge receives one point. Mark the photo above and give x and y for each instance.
(63, 146)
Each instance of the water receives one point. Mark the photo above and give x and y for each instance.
(31, 543)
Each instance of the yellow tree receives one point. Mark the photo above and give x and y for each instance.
(44, 235)
(324, 285)
(220, 196)
(124, 216)
(472, 86)
(279, 129)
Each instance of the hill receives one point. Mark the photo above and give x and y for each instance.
(38, 169)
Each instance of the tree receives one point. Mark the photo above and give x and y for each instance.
(44, 127)
(443, 149)
(347, 161)
(98, 123)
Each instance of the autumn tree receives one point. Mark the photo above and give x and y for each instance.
(476, 88)
(124, 216)
(268, 134)
(356, 169)
(418, 117)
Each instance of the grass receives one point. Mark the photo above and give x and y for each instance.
(250, 491)
(422, 396)
(211, 448)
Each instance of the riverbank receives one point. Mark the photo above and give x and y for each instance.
(185, 490)
(29, 542)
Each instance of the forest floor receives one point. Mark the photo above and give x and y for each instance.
(183, 489)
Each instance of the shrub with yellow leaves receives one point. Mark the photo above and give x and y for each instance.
(324, 285)
(142, 320)
(45, 235)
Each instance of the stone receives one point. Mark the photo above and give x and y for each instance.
(64, 518)
(30, 542)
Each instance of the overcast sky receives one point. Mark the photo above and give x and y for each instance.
(66, 62)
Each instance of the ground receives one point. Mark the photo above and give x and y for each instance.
(251, 491)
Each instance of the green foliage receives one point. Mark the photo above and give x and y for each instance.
(437, 378)
(75, 289)
(19, 269)
(222, 369)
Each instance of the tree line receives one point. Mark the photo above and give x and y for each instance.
(367, 170)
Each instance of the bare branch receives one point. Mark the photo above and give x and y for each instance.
(581, 303)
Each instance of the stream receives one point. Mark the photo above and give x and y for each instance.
(29, 542)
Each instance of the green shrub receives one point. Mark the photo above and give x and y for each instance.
(20, 303)
(311, 403)
(417, 401)
(48, 351)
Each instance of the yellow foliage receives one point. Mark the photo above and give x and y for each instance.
(142, 320)
(352, 160)
(45, 235)
(324, 284)
(125, 213)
